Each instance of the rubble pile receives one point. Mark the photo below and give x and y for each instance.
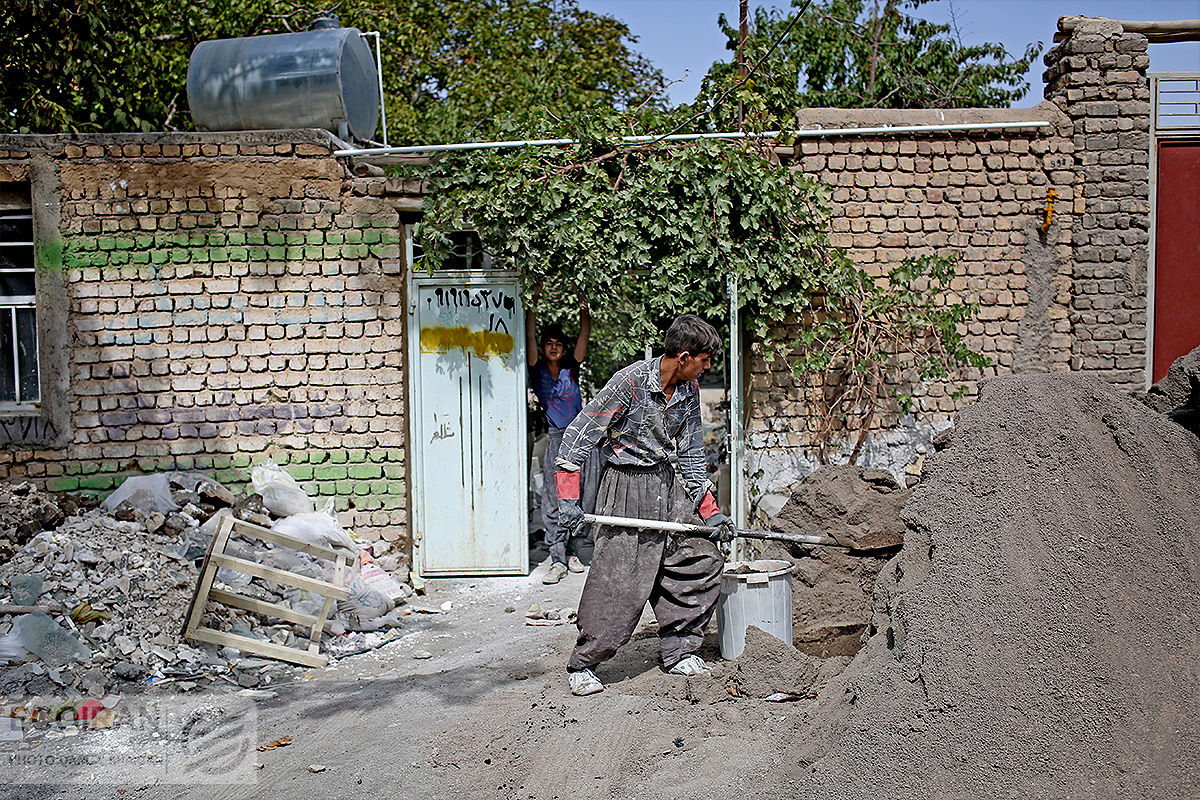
(831, 600)
(112, 587)
(26, 510)
(1038, 627)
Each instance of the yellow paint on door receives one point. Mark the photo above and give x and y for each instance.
(485, 344)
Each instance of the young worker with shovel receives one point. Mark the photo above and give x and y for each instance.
(646, 410)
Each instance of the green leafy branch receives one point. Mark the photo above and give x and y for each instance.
(649, 231)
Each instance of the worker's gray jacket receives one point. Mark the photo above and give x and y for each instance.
(641, 426)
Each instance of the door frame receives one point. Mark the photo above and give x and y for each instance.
(417, 532)
(1158, 133)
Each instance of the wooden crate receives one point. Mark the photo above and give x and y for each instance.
(205, 593)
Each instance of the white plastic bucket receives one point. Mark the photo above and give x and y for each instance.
(760, 596)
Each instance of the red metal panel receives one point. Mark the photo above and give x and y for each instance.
(1176, 254)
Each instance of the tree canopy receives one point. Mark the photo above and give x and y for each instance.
(866, 54)
(451, 67)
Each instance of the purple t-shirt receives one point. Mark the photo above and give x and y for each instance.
(561, 399)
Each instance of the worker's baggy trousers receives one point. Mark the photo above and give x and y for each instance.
(680, 576)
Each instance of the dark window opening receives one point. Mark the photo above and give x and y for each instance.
(19, 374)
(466, 251)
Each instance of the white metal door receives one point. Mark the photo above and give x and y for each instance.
(467, 379)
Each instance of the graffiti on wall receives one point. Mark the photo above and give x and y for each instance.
(26, 430)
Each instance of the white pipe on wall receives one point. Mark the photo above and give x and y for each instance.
(682, 137)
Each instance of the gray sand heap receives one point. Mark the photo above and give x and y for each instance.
(768, 666)
(831, 597)
(1039, 632)
(1178, 394)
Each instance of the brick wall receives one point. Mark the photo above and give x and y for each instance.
(229, 298)
(209, 300)
(1098, 78)
(1071, 297)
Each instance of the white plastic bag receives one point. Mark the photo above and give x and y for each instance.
(378, 579)
(281, 495)
(146, 493)
(364, 603)
(316, 527)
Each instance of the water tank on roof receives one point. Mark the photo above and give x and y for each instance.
(320, 78)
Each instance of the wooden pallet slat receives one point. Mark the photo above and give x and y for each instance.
(216, 558)
(225, 598)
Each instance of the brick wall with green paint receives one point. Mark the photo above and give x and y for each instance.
(230, 298)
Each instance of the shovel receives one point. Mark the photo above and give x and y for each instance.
(685, 527)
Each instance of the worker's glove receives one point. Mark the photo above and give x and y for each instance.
(711, 514)
(570, 515)
(724, 531)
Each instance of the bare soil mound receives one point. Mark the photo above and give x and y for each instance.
(1178, 394)
(1039, 628)
(769, 666)
(831, 598)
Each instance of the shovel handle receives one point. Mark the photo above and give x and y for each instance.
(686, 527)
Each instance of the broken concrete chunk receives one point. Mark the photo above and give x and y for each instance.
(127, 670)
(216, 493)
(154, 521)
(25, 589)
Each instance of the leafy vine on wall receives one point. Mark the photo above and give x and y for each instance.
(650, 230)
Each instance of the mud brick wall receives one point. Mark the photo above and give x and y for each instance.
(227, 298)
(1072, 297)
(1098, 78)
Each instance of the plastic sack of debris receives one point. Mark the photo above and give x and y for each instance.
(303, 601)
(392, 619)
(290, 560)
(145, 493)
(378, 579)
(281, 495)
(366, 606)
(316, 527)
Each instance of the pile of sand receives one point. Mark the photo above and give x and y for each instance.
(1040, 630)
(1178, 394)
(832, 587)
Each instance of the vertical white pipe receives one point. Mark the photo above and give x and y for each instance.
(379, 75)
(737, 471)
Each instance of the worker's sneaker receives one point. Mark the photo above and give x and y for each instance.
(555, 574)
(584, 682)
(690, 665)
(574, 564)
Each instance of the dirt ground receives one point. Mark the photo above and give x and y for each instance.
(488, 715)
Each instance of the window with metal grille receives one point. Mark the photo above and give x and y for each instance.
(19, 374)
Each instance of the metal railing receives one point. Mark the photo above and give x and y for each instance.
(1176, 103)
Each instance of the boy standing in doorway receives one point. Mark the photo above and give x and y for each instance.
(646, 411)
(554, 378)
